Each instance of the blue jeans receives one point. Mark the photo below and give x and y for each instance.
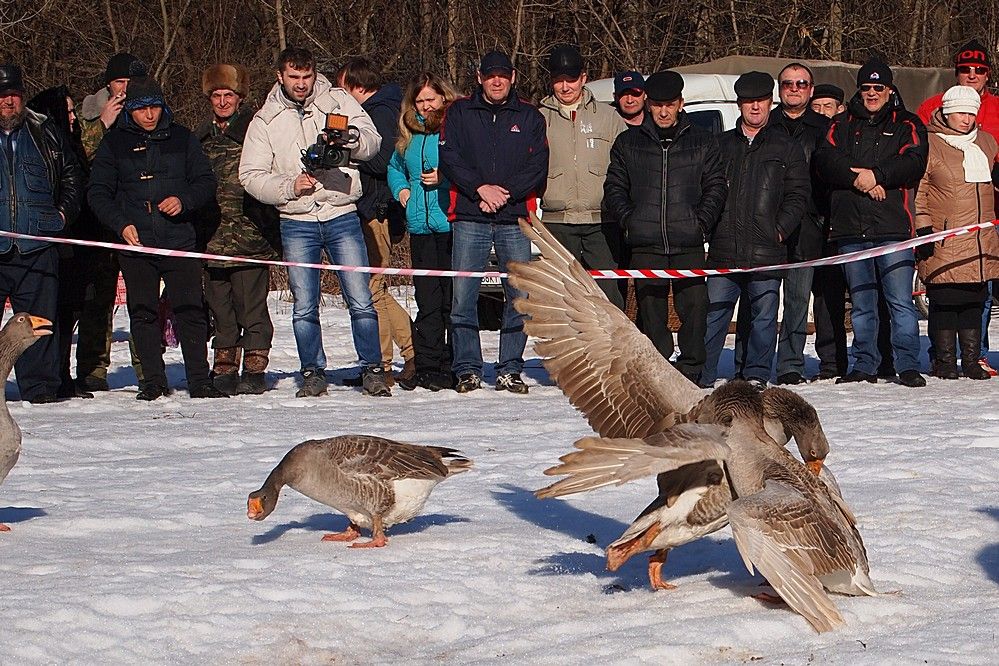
(794, 328)
(343, 241)
(470, 252)
(894, 272)
(764, 296)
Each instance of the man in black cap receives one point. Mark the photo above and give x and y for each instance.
(666, 187)
(580, 134)
(494, 152)
(149, 183)
(767, 200)
(42, 181)
(827, 99)
(872, 158)
(629, 97)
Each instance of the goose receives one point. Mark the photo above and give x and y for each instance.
(644, 409)
(20, 332)
(375, 482)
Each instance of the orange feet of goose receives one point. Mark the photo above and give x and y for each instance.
(349, 534)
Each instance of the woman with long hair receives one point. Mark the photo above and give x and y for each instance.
(417, 183)
(956, 190)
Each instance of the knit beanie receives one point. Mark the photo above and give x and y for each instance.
(973, 53)
(874, 71)
(143, 91)
(124, 66)
(961, 99)
(225, 77)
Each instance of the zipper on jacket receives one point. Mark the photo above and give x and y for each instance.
(13, 190)
(426, 192)
(662, 208)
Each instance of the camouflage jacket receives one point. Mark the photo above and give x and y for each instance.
(240, 225)
(92, 130)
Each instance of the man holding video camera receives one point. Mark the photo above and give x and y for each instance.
(298, 155)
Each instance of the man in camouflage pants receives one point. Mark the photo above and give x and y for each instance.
(236, 292)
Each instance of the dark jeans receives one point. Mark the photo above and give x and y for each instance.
(93, 339)
(31, 281)
(829, 311)
(433, 301)
(690, 298)
(764, 297)
(594, 246)
(796, 288)
(183, 279)
(237, 297)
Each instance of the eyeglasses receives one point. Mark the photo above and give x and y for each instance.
(981, 70)
(876, 87)
(792, 85)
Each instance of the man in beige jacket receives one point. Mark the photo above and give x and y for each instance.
(581, 132)
(317, 207)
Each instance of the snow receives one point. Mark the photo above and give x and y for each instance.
(130, 541)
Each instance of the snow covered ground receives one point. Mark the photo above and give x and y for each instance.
(130, 541)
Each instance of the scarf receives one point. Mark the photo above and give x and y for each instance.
(976, 164)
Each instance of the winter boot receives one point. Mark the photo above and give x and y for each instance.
(408, 372)
(375, 381)
(971, 347)
(945, 363)
(254, 363)
(225, 371)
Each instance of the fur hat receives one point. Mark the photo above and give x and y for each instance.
(226, 77)
(961, 99)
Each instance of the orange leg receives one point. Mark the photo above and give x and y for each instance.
(767, 597)
(618, 555)
(4, 528)
(656, 562)
(349, 534)
(378, 539)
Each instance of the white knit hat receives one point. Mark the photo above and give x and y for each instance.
(961, 99)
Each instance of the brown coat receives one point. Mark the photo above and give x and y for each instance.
(945, 201)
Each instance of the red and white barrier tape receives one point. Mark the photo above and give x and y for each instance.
(598, 274)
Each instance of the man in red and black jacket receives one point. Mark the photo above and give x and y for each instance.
(872, 159)
(494, 152)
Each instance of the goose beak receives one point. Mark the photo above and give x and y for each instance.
(815, 466)
(38, 324)
(254, 508)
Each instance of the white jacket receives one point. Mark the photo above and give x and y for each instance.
(272, 153)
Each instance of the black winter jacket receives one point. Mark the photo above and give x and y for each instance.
(134, 170)
(809, 131)
(891, 142)
(768, 191)
(675, 218)
(384, 108)
(486, 144)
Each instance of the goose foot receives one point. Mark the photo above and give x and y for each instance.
(656, 562)
(378, 541)
(349, 534)
(4, 528)
(769, 598)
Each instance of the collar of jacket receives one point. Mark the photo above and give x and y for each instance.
(587, 101)
(235, 130)
(92, 105)
(321, 100)
(158, 133)
(648, 126)
(478, 101)
(809, 118)
(429, 125)
(388, 95)
(856, 109)
(760, 136)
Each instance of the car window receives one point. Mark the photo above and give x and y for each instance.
(709, 119)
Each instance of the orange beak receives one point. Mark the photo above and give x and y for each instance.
(815, 466)
(254, 508)
(38, 324)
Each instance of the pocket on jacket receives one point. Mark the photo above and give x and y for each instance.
(44, 219)
(36, 176)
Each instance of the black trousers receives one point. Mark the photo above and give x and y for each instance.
(595, 245)
(829, 311)
(183, 279)
(31, 282)
(433, 301)
(75, 279)
(690, 298)
(955, 306)
(237, 297)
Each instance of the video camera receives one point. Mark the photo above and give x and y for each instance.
(332, 146)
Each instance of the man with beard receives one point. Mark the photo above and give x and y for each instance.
(872, 158)
(236, 292)
(41, 185)
(581, 132)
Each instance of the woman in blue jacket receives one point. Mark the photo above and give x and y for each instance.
(415, 180)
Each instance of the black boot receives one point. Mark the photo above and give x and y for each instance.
(945, 363)
(971, 347)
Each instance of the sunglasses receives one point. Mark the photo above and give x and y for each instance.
(876, 87)
(981, 70)
(800, 83)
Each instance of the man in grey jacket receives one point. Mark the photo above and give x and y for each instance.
(318, 209)
(580, 132)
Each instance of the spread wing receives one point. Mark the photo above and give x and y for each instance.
(608, 369)
(794, 544)
(603, 461)
(384, 459)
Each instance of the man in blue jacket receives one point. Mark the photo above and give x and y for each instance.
(41, 184)
(494, 152)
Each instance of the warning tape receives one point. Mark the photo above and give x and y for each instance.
(859, 255)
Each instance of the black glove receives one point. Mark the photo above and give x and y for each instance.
(925, 251)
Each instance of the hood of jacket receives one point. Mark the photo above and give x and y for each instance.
(389, 96)
(92, 105)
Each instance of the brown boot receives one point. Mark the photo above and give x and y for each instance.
(408, 370)
(225, 369)
(254, 363)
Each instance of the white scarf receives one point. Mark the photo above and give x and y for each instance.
(976, 164)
